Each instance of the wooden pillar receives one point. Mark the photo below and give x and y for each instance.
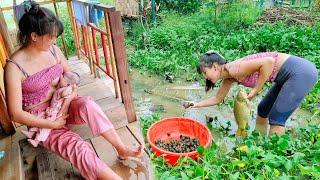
(8, 49)
(74, 28)
(121, 62)
(4, 117)
(89, 43)
(112, 60)
(5, 34)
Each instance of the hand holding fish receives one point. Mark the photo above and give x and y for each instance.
(252, 94)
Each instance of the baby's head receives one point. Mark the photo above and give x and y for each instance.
(69, 78)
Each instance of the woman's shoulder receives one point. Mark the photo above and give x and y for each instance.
(18, 56)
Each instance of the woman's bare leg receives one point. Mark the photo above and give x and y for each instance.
(108, 174)
(123, 150)
(262, 125)
(276, 130)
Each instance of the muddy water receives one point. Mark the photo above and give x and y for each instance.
(153, 94)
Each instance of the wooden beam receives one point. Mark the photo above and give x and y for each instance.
(4, 116)
(8, 8)
(101, 7)
(5, 34)
(121, 62)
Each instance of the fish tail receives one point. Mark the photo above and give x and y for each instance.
(241, 132)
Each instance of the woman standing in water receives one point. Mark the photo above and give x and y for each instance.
(293, 77)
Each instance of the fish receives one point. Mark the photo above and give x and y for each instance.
(241, 112)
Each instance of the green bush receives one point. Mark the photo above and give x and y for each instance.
(68, 34)
(181, 6)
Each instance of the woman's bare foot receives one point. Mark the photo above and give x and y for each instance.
(130, 152)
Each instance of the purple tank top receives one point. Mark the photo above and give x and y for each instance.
(36, 86)
(251, 80)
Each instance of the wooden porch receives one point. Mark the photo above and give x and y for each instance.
(23, 161)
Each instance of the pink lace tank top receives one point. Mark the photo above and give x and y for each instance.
(251, 80)
(36, 86)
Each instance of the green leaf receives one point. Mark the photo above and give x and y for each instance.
(209, 125)
(234, 176)
(268, 169)
(305, 169)
(288, 165)
(200, 150)
(189, 172)
(250, 176)
(184, 176)
(165, 175)
(198, 171)
(283, 144)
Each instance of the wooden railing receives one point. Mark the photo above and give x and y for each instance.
(114, 62)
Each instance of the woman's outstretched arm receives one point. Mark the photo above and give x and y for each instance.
(221, 94)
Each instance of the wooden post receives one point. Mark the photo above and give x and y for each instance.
(62, 35)
(89, 43)
(105, 53)
(112, 60)
(95, 47)
(5, 34)
(75, 31)
(153, 12)
(121, 61)
(4, 117)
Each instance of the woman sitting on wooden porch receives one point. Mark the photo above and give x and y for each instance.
(31, 77)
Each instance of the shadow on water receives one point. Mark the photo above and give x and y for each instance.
(153, 94)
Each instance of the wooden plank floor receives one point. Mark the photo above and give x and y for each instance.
(38, 163)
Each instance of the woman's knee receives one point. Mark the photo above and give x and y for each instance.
(85, 102)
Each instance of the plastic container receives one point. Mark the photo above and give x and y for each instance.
(171, 128)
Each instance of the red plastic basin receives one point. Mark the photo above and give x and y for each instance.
(171, 128)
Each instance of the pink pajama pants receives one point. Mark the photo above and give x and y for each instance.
(71, 147)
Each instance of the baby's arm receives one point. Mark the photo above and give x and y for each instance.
(67, 91)
(67, 100)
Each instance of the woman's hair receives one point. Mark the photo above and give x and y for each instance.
(37, 19)
(206, 61)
